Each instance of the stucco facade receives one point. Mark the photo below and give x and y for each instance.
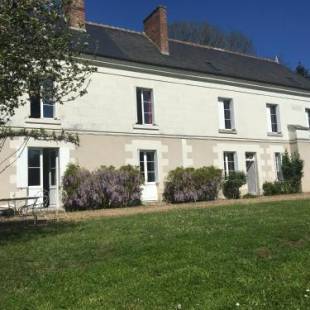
(186, 130)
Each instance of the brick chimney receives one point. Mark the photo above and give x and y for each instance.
(75, 12)
(156, 28)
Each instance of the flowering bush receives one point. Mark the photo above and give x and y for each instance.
(190, 185)
(105, 188)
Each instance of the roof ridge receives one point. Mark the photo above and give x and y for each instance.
(113, 27)
(223, 50)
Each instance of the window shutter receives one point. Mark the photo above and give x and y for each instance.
(221, 115)
(22, 168)
(139, 106)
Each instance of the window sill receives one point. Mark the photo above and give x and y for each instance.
(274, 134)
(45, 121)
(228, 131)
(146, 127)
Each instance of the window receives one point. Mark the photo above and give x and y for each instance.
(41, 101)
(148, 166)
(273, 115)
(278, 161)
(145, 106)
(34, 167)
(308, 117)
(226, 114)
(229, 163)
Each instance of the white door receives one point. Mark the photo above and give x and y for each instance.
(50, 171)
(35, 174)
(251, 169)
(148, 168)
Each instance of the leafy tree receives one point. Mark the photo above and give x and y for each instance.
(303, 71)
(37, 46)
(206, 34)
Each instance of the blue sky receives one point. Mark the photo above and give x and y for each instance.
(276, 27)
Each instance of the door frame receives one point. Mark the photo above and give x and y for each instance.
(149, 189)
(40, 188)
(254, 160)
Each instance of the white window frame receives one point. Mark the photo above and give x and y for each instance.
(145, 165)
(226, 166)
(269, 121)
(41, 167)
(308, 116)
(278, 169)
(142, 106)
(42, 108)
(222, 122)
(42, 104)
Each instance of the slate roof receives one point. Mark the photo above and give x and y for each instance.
(121, 44)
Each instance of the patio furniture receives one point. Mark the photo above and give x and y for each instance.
(22, 206)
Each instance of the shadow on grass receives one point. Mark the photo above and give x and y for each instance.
(23, 230)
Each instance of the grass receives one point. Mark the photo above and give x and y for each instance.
(257, 256)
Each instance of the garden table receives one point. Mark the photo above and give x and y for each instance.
(30, 203)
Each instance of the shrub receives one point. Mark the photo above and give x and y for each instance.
(77, 185)
(191, 185)
(232, 184)
(105, 188)
(292, 169)
(118, 188)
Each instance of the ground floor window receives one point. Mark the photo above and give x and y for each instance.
(148, 166)
(229, 162)
(34, 167)
(278, 161)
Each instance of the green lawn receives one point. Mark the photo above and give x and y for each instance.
(257, 256)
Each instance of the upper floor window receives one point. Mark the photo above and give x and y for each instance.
(42, 104)
(273, 118)
(278, 162)
(308, 117)
(145, 106)
(230, 162)
(226, 113)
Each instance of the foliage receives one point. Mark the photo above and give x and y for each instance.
(303, 71)
(38, 46)
(105, 188)
(206, 34)
(292, 169)
(191, 185)
(39, 134)
(232, 184)
(272, 188)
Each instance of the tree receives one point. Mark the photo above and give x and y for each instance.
(206, 34)
(302, 70)
(38, 48)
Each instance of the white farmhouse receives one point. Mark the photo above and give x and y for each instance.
(159, 103)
